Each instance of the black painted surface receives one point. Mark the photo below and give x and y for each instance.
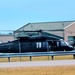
(35, 44)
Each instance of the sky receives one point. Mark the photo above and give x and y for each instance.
(16, 13)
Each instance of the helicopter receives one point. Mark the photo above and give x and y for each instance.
(37, 43)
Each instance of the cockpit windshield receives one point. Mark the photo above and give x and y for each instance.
(63, 43)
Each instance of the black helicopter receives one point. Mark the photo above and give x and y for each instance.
(38, 43)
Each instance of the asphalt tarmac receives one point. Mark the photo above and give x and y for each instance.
(38, 63)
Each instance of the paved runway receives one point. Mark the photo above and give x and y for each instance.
(38, 63)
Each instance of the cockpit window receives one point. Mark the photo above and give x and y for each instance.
(63, 43)
(67, 43)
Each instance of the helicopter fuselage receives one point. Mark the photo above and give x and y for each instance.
(35, 44)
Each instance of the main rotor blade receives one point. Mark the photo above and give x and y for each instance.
(38, 30)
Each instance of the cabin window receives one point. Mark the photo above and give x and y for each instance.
(57, 44)
(38, 45)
